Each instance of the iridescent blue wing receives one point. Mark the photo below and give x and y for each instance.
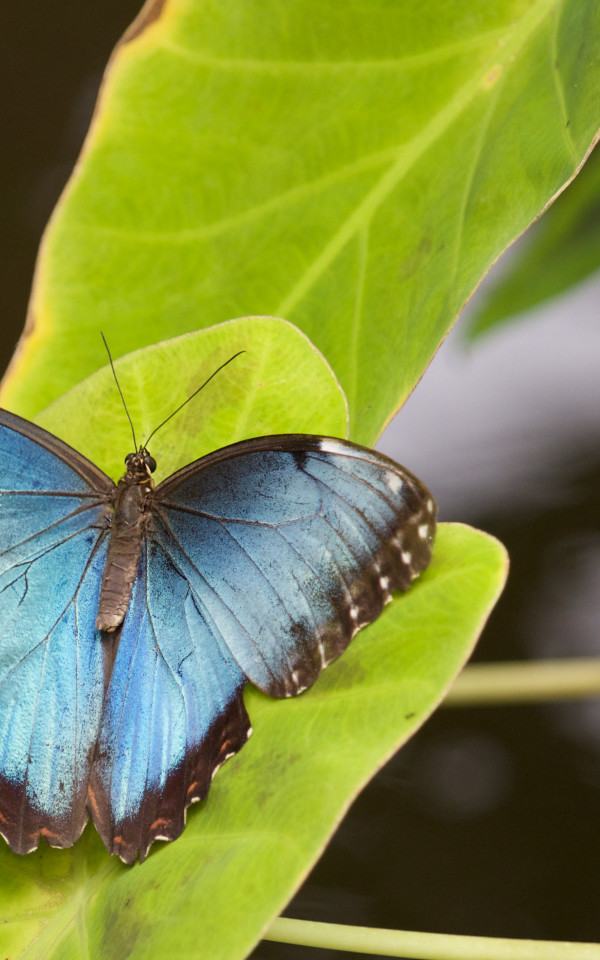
(291, 544)
(173, 712)
(54, 506)
(262, 561)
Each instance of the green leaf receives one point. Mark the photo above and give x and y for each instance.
(353, 167)
(560, 251)
(272, 808)
(281, 384)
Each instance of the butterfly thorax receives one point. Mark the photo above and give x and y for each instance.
(126, 534)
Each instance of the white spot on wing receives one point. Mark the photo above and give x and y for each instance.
(393, 482)
(423, 531)
(406, 556)
(430, 505)
(384, 582)
(354, 613)
(330, 445)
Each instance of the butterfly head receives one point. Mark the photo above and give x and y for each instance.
(140, 466)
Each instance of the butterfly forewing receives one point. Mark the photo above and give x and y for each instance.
(54, 506)
(291, 544)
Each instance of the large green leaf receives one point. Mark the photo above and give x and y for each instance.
(270, 810)
(354, 167)
(560, 251)
(273, 807)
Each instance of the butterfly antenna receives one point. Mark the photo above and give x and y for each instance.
(112, 366)
(192, 395)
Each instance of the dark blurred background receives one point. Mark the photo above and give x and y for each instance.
(485, 823)
(53, 56)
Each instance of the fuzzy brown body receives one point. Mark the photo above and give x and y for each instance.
(125, 544)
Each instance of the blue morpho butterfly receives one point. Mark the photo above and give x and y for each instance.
(132, 617)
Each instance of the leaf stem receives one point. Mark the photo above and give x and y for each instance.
(423, 946)
(482, 684)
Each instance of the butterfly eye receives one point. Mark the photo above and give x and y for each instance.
(129, 458)
(150, 462)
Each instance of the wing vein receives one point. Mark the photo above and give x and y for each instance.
(68, 604)
(211, 590)
(51, 526)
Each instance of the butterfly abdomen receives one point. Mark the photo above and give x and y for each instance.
(124, 550)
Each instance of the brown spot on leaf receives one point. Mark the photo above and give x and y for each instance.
(492, 77)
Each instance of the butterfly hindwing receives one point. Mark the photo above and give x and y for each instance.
(53, 511)
(173, 712)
